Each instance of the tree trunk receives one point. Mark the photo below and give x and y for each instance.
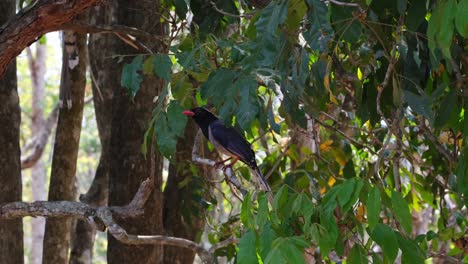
(62, 179)
(128, 166)
(183, 214)
(37, 66)
(103, 78)
(11, 231)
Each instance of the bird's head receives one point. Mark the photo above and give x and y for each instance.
(201, 115)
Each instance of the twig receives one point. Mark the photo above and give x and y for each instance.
(344, 135)
(229, 14)
(339, 3)
(436, 143)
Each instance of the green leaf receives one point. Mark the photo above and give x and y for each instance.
(401, 211)
(287, 250)
(181, 8)
(401, 6)
(246, 215)
(271, 17)
(449, 111)
(177, 120)
(262, 215)
(416, 14)
(164, 137)
(131, 77)
(280, 198)
(358, 255)
(320, 31)
(412, 253)
(266, 239)
(162, 66)
(386, 238)
(247, 249)
(421, 104)
(248, 107)
(461, 19)
(374, 203)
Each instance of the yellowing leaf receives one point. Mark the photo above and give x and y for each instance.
(341, 158)
(359, 74)
(322, 190)
(326, 82)
(361, 211)
(331, 181)
(326, 146)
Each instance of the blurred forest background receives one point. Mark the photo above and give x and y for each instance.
(355, 111)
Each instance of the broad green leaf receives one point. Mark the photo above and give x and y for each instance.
(421, 104)
(248, 107)
(164, 136)
(280, 198)
(461, 19)
(401, 211)
(181, 8)
(293, 252)
(387, 240)
(447, 27)
(412, 253)
(162, 66)
(401, 5)
(449, 111)
(346, 192)
(262, 215)
(176, 119)
(416, 14)
(131, 76)
(246, 214)
(271, 17)
(374, 204)
(320, 31)
(328, 221)
(266, 239)
(358, 255)
(247, 249)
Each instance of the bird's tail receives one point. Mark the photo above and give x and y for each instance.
(260, 179)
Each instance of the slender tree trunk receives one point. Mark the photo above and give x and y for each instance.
(100, 49)
(37, 66)
(183, 215)
(62, 179)
(128, 166)
(11, 231)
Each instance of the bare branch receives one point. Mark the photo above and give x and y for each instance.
(38, 143)
(34, 21)
(106, 215)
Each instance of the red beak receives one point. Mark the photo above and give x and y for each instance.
(188, 113)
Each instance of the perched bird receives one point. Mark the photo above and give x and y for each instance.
(227, 141)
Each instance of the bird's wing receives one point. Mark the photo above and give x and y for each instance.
(232, 141)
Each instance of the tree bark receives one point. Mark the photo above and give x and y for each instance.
(37, 66)
(128, 166)
(183, 214)
(11, 231)
(34, 21)
(62, 179)
(103, 82)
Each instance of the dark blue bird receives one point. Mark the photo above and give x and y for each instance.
(227, 141)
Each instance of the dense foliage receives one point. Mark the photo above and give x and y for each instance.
(376, 87)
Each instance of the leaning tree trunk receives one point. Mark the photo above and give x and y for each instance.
(62, 179)
(103, 72)
(11, 231)
(37, 67)
(128, 166)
